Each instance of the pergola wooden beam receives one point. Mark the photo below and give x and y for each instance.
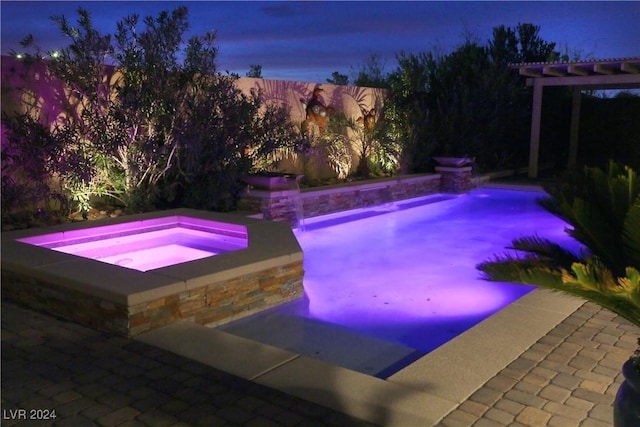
(578, 70)
(598, 74)
(554, 71)
(630, 68)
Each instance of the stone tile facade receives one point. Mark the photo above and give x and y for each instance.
(288, 205)
(212, 304)
(455, 179)
(221, 302)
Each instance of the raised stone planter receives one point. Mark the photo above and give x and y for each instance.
(280, 205)
(455, 174)
(454, 161)
(272, 181)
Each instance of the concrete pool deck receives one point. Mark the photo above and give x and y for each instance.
(567, 377)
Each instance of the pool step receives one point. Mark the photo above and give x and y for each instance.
(327, 342)
(354, 393)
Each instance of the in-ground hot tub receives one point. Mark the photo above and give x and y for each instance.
(139, 272)
(148, 244)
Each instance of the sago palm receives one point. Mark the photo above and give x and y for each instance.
(603, 209)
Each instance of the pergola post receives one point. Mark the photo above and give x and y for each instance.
(594, 74)
(536, 114)
(575, 126)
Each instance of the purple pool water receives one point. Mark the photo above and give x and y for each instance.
(150, 244)
(403, 275)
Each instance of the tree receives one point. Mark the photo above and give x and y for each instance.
(520, 44)
(140, 118)
(370, 73)
(503, 47)
(38, 169)
(338, 79)
(479, 108)
(466, 103)
(154, 91)
(532, 47)
(407, 111)
(255, 71)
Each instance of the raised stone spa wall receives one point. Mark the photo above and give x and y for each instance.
(43, 295)
(221, 302)
(281, 205)
(211, 305)
(208, 291)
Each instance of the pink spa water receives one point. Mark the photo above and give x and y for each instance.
(400, 279)
(156, 244)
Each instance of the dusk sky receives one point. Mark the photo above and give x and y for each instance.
(307, 41)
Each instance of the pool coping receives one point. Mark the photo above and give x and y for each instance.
(420, 394)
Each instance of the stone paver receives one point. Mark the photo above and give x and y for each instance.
(568, 378)
(93, 379)
(574, 384)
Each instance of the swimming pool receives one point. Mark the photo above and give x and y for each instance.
(386, 285)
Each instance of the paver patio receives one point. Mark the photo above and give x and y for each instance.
(568, 378)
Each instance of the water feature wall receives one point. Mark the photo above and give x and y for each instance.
(455, 179)
(284, 205)
(294, 186)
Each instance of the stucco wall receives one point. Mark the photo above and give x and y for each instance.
(351, 101)
(35, 89)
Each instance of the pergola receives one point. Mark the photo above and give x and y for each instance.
(621, 73)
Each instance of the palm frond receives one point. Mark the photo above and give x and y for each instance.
(631, 235)
(545, 250)
(603, 209)
(592, 228)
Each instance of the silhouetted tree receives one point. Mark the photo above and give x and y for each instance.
(408, 109)
(520, 44)
(465, 103)
(532, 47)
(503, 48)
(370, 73)
(338, 79)
(255, 71)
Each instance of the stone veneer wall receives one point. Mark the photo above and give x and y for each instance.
(455, 179)
(341, 198)
(212, 304)
(277, 205)
(281, 205)
(88, 310)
